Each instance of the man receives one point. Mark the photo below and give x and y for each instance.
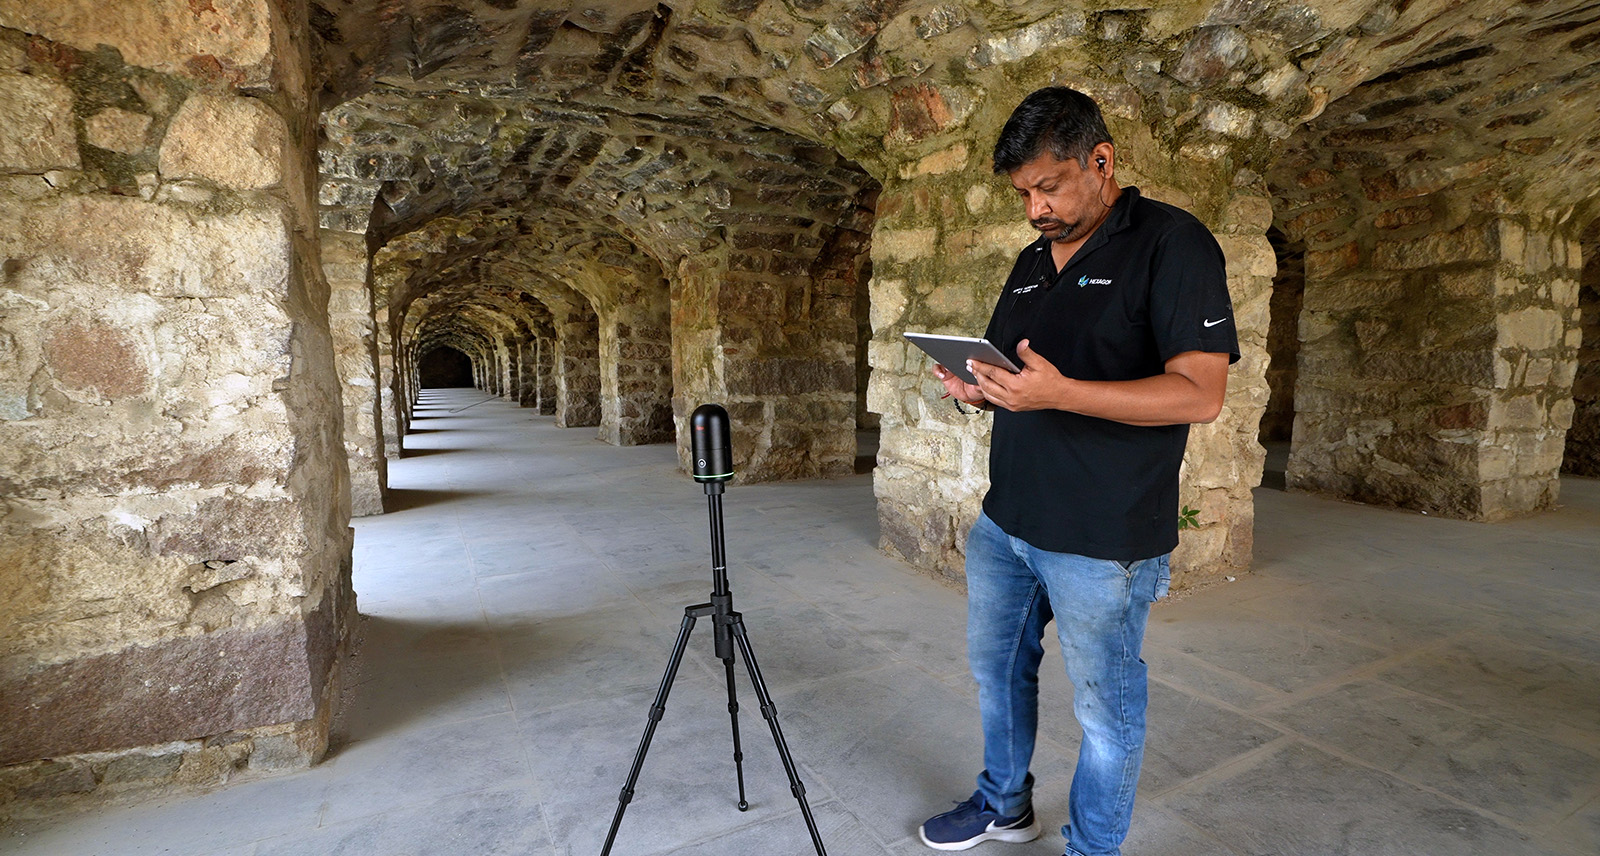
(1120, 319)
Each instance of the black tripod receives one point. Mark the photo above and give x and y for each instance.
(729, 629)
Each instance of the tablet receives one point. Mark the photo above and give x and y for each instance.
(952, 352)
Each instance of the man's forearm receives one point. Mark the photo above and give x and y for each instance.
(1166, 399)
(1191, 389)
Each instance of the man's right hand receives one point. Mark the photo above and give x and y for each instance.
(959, 388)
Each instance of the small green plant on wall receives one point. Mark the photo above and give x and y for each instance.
(1189, 518)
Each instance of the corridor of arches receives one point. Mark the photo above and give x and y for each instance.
(239, 237)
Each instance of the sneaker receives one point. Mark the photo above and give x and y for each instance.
(971, 823)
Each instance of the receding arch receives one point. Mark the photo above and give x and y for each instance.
(443, 366)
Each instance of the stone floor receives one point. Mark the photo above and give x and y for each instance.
(1385, 683)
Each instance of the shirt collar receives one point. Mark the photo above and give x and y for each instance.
(1120, 217)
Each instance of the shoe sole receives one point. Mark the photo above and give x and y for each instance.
(1010, 836)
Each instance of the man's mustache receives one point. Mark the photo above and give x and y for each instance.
(1048, 224)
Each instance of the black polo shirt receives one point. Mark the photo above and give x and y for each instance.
(1148, 285)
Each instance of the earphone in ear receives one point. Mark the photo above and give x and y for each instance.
(1102, 163)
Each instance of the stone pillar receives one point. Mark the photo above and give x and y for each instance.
(945, 238)
(636, 371)
(578, 371)
(528, 371)
(1437, 364)
(546, 375)
(174, 541)
(1537, 338)
(514, 370)
(389, 389)
(766, 326)
(344, 263)
(505, 354)
(1583, 438)
(393, 320)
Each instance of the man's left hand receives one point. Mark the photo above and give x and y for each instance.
(1039, 386)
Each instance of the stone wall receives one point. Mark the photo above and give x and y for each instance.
(1438, 375)
(1583, 439)
(174, 496)
(777, 317)
(636, 373)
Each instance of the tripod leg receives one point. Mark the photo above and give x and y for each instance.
(657, 710)
(738, 753)
(770, 712)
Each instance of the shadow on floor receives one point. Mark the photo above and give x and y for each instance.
(422, 453)
(404, 499)
(404, 671)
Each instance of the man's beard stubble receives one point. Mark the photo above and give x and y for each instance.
(1064, 232)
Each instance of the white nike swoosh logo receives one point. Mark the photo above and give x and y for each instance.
(1214, 323)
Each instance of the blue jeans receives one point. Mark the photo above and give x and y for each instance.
(1100, 607)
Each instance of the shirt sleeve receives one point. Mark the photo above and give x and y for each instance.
(1190, 309)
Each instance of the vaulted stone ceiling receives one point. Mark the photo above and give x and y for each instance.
(561, 259)
(1508, 103)
(649, 119)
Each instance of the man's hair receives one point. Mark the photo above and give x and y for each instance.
(1064, 121)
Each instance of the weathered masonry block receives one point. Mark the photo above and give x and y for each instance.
(1437, 372)
(174, 504)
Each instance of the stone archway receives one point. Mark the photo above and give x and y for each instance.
(1438, 333)
(1582, 455)
(442, 367)
(1283, 350)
